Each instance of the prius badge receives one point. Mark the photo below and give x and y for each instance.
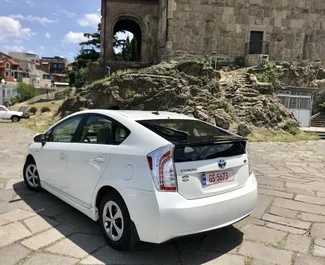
(222, 163)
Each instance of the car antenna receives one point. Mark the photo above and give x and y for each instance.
(157, 112)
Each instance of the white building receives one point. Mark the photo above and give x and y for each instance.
(7, 92)
(28, 61)
(39, 79)
(300, 101)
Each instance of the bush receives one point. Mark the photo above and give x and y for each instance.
(270, 75)
(291, 127)
(25, 91)
(33, 110)
(45, 109)
(322, 106)
(14, 101)
(240, 61)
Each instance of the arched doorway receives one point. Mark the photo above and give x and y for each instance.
(127, 37)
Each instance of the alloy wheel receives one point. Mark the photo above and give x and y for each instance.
(32, 176)
(113, 221)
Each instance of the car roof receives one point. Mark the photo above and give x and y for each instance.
(140, 115)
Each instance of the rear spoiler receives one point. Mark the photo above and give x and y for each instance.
(212, 140)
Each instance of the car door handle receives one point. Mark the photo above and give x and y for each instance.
(99, 160)
(63, 155)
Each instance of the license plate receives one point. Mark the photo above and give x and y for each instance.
(217, 177)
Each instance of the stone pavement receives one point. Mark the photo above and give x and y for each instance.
(287, 227)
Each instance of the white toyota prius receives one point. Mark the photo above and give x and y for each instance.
(144, 176)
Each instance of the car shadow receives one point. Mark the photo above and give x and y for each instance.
(84, 233)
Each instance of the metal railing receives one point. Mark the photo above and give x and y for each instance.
(257, 47)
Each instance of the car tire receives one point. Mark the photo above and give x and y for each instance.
(115, 221)
(31, 176)
(15, 119)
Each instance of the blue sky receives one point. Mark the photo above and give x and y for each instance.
(47, 27)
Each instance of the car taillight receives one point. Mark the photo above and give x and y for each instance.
(249, 165)
(162, 169)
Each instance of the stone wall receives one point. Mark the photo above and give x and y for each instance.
(293, 28)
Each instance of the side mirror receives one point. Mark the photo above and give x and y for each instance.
(40, 138)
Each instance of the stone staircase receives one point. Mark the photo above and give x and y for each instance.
(318, 120)
(243, 96)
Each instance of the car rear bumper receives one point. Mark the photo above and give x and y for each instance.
(161, 216)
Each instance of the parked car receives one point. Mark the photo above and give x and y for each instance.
(14, 116)
(148, 176)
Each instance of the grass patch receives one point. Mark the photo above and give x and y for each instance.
(281, 244)
(269, 75)
(40, 122)
(280, 136)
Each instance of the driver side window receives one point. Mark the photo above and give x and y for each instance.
(65, 132)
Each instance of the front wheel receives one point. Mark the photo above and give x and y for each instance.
(31, 176)
(15, 119)
(115, 222)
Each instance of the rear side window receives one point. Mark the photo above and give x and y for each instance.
(100, 129)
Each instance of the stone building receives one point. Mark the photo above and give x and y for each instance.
(281, 29)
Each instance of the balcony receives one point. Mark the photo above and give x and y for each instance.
(257, 47)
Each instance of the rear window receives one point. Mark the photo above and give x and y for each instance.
(183, 129)
(195, 140)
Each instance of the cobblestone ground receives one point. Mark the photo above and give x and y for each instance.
(287, 227)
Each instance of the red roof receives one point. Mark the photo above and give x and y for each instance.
(11, 61)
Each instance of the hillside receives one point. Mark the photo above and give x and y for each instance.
(229, 99)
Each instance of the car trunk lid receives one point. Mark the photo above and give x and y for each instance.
(208, 168)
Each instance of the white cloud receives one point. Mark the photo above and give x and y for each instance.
(14, 48)
(42, 47)
(42, 20)
(28, 2)
(91, 20)
(123, 36)
(48, 35)
(11, 28)
(74, 37)
(67, 13)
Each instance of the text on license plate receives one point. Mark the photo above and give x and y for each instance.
(216, 177)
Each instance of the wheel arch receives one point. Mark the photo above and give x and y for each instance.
(102, 191)
(14, 115)
(30, 158)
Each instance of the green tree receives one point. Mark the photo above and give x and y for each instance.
(129, 50)
(90, 52)
(25, 91)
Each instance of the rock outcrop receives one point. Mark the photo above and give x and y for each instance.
(225, 99)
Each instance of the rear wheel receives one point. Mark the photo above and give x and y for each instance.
(115, 222)
(15, 119)
(31, 176)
